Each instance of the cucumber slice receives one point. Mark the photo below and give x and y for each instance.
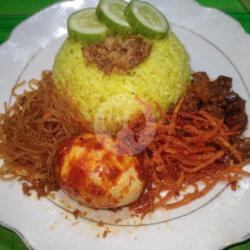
(84, 26)
(146, 20)
(111, 13)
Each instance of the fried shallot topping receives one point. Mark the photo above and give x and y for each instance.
(118, 55)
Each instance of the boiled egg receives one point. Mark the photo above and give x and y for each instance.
(90, 170)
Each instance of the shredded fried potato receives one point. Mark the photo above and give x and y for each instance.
(190, 151)
(32, 129)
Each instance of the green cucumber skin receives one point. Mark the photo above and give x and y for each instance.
(141, 29)
(129, 6)
(116, 28)
(88, 38)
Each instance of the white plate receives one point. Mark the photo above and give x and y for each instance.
(216, 44)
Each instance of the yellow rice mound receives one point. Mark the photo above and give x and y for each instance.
(108, 101)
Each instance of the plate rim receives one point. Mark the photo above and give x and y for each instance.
(21, 25)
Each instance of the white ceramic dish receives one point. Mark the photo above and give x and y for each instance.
(216, 44)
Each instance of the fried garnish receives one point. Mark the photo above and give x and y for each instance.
(118, 55)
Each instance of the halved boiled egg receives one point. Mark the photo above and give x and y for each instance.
(93, 174)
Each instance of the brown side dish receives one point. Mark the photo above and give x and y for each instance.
(118, 55)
